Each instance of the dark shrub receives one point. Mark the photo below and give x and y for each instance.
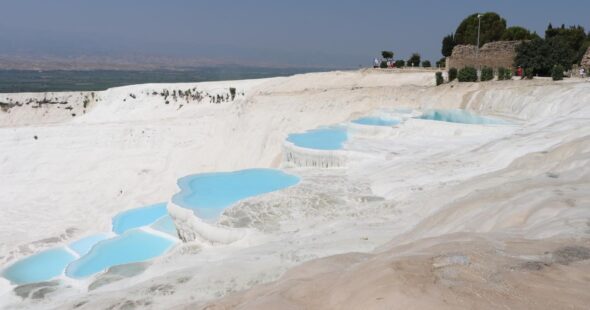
(383, 64)
(467, 74)
(232, 92)
(439, 78)
(452, 74)
(557, 73)
(529, 73)
(508, 74)
(501, 73)
(487, 74)
(441, 63)
(400, 63)
(426, 64)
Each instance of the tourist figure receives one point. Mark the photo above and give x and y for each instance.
(376, 63)
(583, 72)
(519, 71)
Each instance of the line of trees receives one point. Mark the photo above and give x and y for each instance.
(493, 28)
(562, 46)
(415, 60)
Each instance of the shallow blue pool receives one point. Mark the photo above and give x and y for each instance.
(131, 247)
(43, 266)
(97, 252)
(328, 138)
(375, 121)
(459, 116)
(138, 217)
(210, 193)
(83, 246)
(166, 225)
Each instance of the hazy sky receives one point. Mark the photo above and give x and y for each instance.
(303, 32)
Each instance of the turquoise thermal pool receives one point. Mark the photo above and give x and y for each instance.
(131, 247)
(376, 121)
(142, 234)
(328, 138)
(209, 194)
(460, 116)
(39, 267)
(138, 217)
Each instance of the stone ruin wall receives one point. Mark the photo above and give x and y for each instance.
(586, 60)
(494, 55)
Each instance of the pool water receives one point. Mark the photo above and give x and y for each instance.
(328, 138)
(375, 121)
(165, 225)
(131, 247)
(459, 116)
(83, 246)
(39, 267)
(210, 193)
(138, 217)
(98, 252)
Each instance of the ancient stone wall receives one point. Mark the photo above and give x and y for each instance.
(493, 55)
(586, 60)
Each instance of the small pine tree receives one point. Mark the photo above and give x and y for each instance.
(414, 60)
(383, 64)
(487, 74)
(400, 63)
(467, 74)
(557, 73)
(387, 54)
(439, 78)
(452, 74)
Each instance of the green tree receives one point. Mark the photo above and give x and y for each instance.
(387, 54)
(400, 63)
(540, 56)
(574, 36)
(517, 33)
(426, 64)
(448, 43)
(383, 65)
(441, 63)
(492, 29)
(414, 60)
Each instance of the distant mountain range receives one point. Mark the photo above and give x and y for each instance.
(128, 63)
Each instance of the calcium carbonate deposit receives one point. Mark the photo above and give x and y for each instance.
(438, 208)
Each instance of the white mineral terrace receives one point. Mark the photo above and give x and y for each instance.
(424, 214)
